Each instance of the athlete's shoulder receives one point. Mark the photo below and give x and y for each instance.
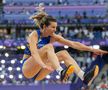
(33, 36)
(33, 33)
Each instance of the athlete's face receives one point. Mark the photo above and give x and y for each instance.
(51, 28)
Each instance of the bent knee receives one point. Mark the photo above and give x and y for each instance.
(49, 47)
(63, 53)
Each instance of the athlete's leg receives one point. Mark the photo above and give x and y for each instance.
(87, 77)
(65, 56)
(60, 55)
(30, 67)
(53, 59)
(50, 54)
(98, 61)
(42, 74)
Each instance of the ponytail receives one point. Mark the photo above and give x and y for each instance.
(38, 17)
(42, 18)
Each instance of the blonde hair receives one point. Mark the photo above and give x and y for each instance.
(38, 17)
(42, 18)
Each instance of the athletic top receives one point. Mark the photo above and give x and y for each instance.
(42, 41)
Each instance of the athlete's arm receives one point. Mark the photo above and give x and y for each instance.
(77, 45)
(32, 40)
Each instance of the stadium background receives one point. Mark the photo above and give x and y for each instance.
(85, 21)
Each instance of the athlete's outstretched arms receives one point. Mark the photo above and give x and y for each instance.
(78, 45)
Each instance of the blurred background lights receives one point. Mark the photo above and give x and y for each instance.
(48, 76)
(12, 61)
(23, 47)
(96, 46)
(66, 47)
(18, 68)
(21, 61)
(0, 68)
(6, 54)
(11, 76)
(2, 76)
(3, 61)
(10, 68)
(1, 46)
(20, 76)
(57, 77)
(62, 62)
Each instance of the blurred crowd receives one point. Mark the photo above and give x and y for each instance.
(85, 33)
(55, 2)
(17, 12)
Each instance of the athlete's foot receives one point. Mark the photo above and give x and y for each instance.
(65, 74)
(91, 75)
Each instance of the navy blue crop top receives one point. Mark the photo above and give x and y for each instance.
(42, 41)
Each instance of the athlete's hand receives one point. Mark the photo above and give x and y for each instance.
(99, 51)
(48, 68)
